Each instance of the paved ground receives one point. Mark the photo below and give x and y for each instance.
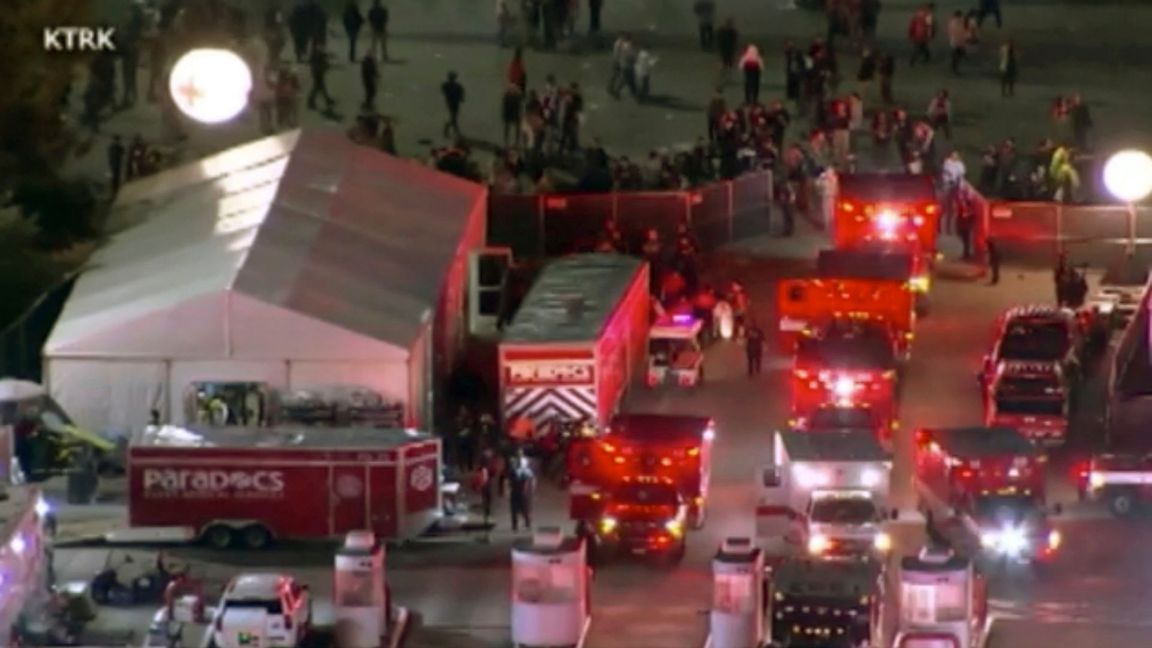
(432, 37)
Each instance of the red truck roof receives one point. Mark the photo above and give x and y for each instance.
(979, 442)
(873, 260)
(885, 187)
(660, 428)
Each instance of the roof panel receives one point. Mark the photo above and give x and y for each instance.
(833, 445)
(573, 298)
(974, 442)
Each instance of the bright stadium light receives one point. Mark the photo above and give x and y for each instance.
(210, 86)
(1128, 177)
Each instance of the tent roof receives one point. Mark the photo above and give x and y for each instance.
(305, 221)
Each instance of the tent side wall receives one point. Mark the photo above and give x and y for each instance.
(108, 394)
(421, 383)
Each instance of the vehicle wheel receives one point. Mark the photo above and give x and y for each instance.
(1122, 504)
(256, 536)
(219, 537)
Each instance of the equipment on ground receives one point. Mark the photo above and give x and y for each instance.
(551, 593)
(941, 597)
(360, 592)
(737, 616)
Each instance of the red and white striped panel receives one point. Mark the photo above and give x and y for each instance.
(541, 404)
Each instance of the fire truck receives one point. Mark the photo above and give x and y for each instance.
(676, 448)
(641, 515)
(835, 485)
(895, 209)
(1036, 334)
(1122, 481)
(1031, 397)
(805, 306)
(943, 602)
(825, 604)
(879, 261)
(675, 351)
(848, 364)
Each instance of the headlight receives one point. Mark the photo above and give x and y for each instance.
(1096, 480)
(870, 478)
(1014, 540)
(882, 542)
(1106, 308)
(818, 544)
(920, 284)
(844, 387)
(1054, 539)
(608, 524)
(675, 527)
(989, 540)
(42, 507)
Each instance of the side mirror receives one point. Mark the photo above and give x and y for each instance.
(1057, 509)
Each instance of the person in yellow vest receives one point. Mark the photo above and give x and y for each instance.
(1065, 178)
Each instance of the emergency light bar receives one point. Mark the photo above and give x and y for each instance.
(840, 494)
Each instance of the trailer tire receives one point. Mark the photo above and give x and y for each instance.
(1122, 503)
(256, 536)
(219, 536)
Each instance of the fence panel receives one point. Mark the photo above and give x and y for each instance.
(575, 222)
(663, 211)
(711, 218)
(514, 221)
(751, 204)
(1025, 233)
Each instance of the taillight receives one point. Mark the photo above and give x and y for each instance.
(802, 374)
(966, 474)
(287, 622)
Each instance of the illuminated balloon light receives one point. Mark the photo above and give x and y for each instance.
(1128, 176)
(210, 86)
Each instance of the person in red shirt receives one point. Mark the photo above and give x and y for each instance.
(517, 73)
(920, 34)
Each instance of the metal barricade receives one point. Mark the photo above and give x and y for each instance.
(751, 205)
(1034, 233)
(575, 222)
(711, 214)
(663, 211)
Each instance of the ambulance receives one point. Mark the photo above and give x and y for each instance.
(676, 351)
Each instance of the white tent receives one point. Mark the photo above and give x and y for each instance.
(297, 260)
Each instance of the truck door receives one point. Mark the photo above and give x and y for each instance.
(487, 276)
(349, 492)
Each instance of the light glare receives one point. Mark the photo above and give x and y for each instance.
(210, 86)
(1128, 176)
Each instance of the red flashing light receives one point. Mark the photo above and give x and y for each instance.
(619, 460)
(848, 207)
(665, 462)
(930, 209)
(608, 447)
(693, 452)
(967, 474)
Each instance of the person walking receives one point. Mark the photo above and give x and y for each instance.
(940, 113)
(965, 222)
(353, 23)
(642, 70)
(595, 8)
(378, 25)
(453, 93)
(517, 72)
(1008, 70)
(920, 35)
(706, 21)
(752, 65)
(990, 8)
(318, 66)
(621, 53)
(482, 484)
(1081, 119)
(370, 80)
(885, 70)
(727, 40)
(993, 252)
(754, 350)
(521, 487)
(115, 164)
(957, 40)
(299, 29)
(511, 114)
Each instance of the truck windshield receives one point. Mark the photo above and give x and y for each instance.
(843, 510)
(843, 417)
(271, 607)
(1035, 342)
(664, 352)
(864, 348)
(1030, 406)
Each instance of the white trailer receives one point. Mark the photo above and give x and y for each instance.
(832, 488)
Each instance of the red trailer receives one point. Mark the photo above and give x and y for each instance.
(577, 342)
(244, 486)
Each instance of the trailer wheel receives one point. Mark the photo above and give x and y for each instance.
(1122, 503)
(219, 536)
(256, 536)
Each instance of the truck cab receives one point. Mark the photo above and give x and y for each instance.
(676, 351)
(1122, 481)
(943, 601)
(955, 466)
(806, 306)
(1033, 397)
(849, 363)
(1036, 334)
(826, 605)
(882, 261)
(1015, 528)
(836, 486)
(674, 447)
(897, 210)
(644, 516)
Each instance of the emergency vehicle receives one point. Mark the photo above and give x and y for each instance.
(24, 562)
(878, 261)
(805, 306)
(675, 351)
(943, 602)
(678, 448)
(861, 416)
(1014, 527)
(896, 209)
(1031, 397)
(835, 485)
(1122, 481)
(849, 363)
(1036, 334)
(577, 342)
(827, 605)
(956, 466)
(643, 515)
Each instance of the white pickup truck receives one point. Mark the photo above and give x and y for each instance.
(262, 611)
